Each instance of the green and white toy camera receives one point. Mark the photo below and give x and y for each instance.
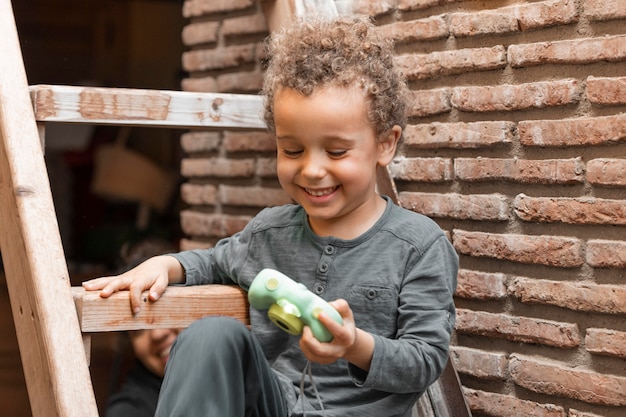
(290, 305)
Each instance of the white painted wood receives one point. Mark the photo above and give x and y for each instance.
(154, 108)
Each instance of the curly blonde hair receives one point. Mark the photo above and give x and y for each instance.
(344, 52)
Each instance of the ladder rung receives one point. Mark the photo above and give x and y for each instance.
(150, 108)
(177, 308)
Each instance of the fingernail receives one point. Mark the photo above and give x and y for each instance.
(136, 310)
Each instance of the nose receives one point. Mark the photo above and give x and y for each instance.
(313, 166)
(160, 334)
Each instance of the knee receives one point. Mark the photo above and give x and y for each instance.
(212, 331)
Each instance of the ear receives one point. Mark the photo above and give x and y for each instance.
(387, 145)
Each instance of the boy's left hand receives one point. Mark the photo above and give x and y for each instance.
(350, 343)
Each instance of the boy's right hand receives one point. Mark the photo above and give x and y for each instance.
(154, 274)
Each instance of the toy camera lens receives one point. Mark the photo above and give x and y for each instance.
(283, 325)
(271, 284)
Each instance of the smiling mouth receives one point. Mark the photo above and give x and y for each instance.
(166, 352)
(320, 192)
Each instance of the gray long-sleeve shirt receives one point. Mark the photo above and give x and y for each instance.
(398, 277)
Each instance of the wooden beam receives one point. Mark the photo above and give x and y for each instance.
(48, 334)
(153, 108)
(177, 308)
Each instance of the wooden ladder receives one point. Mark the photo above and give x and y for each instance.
(53, 320)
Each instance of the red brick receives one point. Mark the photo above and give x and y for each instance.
(422, 169)
(604, 9)
(482, 23)
(573, 132)
(240, 82)
(208, 224)
(431, 28)
(606, 342)
(252, 196)
(548, 171)
(245, 25)
(216, 167)
(554, 379)
(429, 102)
(407, 5)
(582, 210)
(606, 253)
(266, 167)
(576, 413)
(500, 405)
(516, 97)
(555, 251)
(203, 84)
(198, 141)
(606, 91)
(459, 135)
(545, 14)
(480, 285)
(577, 51)
(605, 171)
(191, 244)
(518, 329)
(200, 33)
(609, 299)
(219, 58)
(192, 8)
(478, 363)
(424, 66)
(372, 8)
(199, 194)
(237, 141)
(492, 207)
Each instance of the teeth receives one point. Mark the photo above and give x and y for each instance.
(319, 193)
(166, 352)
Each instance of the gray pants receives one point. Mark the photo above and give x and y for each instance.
(217, 368)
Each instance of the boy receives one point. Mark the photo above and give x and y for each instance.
(139, 393)
(337, 108)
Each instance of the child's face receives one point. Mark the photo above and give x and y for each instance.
(327, 157)
(152, 347)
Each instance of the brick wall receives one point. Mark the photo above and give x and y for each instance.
(516, 146)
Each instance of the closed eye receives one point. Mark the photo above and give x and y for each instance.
(291, 153)
(336, 154)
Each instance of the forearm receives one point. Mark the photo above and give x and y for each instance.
(175, 271)
(360, 355)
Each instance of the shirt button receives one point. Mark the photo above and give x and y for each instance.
(323, 268)
(371, 294)
(329, 250)
(319, 289)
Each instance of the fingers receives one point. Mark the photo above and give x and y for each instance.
(344, 336)
(157, 290)
(150, 275)
(97, 283)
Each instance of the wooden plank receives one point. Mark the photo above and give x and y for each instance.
(177, 308)
(49, 337)
(153, 108)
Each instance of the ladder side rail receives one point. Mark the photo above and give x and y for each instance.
(48, 333)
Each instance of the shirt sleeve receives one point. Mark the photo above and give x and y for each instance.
(426, 314)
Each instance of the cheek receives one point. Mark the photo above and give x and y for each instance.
(285, 169)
